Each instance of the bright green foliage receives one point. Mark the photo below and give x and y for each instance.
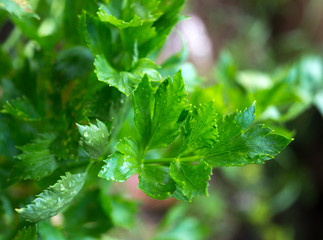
(94, 138)
(36, 161)
(81, 93)
(122, 164)
(27, 233)
(54, 199)
(208, 138)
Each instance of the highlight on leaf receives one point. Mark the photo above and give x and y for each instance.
(54, 199)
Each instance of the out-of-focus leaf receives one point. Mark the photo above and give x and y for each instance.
(18, 8)
(22, 109)
(48, 232)
(121, 212)
(36, 161)
(178, 226)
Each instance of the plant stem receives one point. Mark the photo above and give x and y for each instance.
(169, 160)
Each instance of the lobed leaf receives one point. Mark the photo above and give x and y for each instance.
(54, 199)
(191, 180)
(155, 181)
(170, 102)
(157, 116)
(125, 81)
(239, 144)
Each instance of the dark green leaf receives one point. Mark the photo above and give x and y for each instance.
(36, 161)
(143, 100)
(155, 181)
(21, 109)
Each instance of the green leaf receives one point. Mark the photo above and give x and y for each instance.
(121, 211)
(162, 26)
(123, 163)
(17, 8)
(27, 233)
(199, 128)
(94, 138)
(239, 144)
(125, 81)
(48, 232)
(21, 109)
(191, 180)
(54, 199)
(119, 23)
(155, 181)
(159, 125)
(143, 100)
(36, 161)
(170, 102)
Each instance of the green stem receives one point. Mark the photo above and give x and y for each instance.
(169, 160)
